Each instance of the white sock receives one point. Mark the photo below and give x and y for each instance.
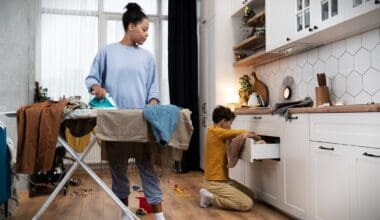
(206, 198)
(206, 193)
(159, 216)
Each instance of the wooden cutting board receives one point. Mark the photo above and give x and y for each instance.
(261, 89)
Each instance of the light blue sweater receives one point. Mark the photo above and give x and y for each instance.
(131, 78)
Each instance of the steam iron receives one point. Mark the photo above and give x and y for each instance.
(106, 103)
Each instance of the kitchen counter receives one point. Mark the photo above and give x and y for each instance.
(329, 109)
(337, 109)
(253, 111)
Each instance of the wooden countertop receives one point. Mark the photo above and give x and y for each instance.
(253, 111)
(329, 109)
(338, 109)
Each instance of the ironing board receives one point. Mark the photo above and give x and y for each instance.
(81, 118)
(109, 124)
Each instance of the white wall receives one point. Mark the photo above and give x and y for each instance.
(352, 66)
(17, 47)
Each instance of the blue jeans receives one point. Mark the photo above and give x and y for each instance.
(149, 179)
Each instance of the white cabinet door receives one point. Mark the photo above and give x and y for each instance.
(207, 89)
(271, 181)
(295, 158)
(237, 172)
(354, 8)
(366, 191)
(252, 176)
(331, 180)
(279, 23)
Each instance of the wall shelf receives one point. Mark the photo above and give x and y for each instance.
(252, 42)
(256, 19)
(258, 58)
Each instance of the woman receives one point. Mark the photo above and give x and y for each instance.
(128, 73)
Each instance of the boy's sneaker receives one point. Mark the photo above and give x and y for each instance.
(206, 198)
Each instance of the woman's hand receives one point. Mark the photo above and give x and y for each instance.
(98, 91)
(153, 101)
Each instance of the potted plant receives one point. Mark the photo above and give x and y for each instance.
(245, 89)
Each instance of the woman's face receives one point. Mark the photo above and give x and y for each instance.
(139, 31)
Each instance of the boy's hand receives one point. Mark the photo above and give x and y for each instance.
(253, 135)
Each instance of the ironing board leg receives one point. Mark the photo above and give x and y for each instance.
(64, 180)
(99, 181)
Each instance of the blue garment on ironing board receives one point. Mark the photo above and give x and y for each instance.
(163, 119)
(5, 170)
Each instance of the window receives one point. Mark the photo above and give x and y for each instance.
(303, 14)
(72, 32)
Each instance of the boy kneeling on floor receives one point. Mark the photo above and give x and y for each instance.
(220, 190)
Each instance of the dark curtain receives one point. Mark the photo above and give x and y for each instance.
(183, 70)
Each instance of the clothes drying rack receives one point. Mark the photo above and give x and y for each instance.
(78, 158)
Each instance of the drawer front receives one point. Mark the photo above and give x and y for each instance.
(360, 129)
(253, 151)
(261, 124)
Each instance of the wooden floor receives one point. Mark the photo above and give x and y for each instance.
(88, 201)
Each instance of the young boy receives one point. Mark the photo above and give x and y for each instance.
(220, 190)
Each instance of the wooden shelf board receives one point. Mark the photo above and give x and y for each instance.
(251, 42)
(260, 57)
(253, 21)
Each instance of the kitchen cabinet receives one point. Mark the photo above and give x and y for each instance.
(345, 151)
(215, 63)
(295, 156)
(365, 191)
(263, 177)
(238, 172)
(279, 22)
(356, 8)
(314, 23)
(331, 180)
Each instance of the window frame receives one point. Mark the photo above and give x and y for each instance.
(103, 17)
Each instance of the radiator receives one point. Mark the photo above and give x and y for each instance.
(94, 155)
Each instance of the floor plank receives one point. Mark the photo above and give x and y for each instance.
(88, 201)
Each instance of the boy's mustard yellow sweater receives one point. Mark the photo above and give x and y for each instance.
(215, 152)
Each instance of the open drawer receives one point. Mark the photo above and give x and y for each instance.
(253, 151)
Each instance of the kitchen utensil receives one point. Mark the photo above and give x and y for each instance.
(321, 77)
(322, 95)
(261, 89)
(253, 100)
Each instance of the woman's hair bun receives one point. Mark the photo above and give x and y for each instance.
(132, 6)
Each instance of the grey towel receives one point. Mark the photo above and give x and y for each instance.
(283, 107)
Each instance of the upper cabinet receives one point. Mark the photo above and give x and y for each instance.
(304, 24)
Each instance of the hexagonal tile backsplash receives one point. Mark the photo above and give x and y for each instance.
(352, 68)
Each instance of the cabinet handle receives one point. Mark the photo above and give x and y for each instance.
(257, 117)
(292, 118)
(204, 107)
(315, 27)
(370, 155)
(287, 39)
(326, 148)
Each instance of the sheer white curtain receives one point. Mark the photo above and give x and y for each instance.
(69, 41)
